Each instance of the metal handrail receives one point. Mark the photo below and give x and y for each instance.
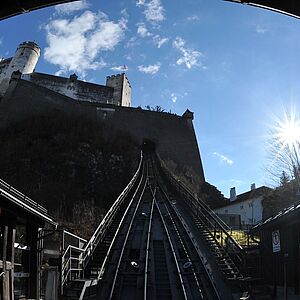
(106, 221)
(226, 227)
(87, 252)
(198, 204)
(127, 235)
(25, 202)
(21, 196)
(66, 263)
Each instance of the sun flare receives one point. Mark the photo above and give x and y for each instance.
(288, 131)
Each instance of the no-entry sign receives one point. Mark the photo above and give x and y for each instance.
(276, 241)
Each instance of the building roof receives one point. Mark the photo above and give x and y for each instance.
(289, 214)
(23, 202)
(288, 7)
(263, 190)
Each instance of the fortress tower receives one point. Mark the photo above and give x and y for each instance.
(24, 61)
(122, 89)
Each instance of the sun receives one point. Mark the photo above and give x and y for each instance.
(287, 131)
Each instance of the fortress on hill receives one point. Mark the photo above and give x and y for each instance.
(25, 93)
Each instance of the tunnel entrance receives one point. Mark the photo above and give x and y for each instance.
(148, 146)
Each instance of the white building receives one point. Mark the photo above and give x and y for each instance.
(244, 210)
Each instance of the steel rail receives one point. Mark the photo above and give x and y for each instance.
(189, 259)
(119, 228)
(209, 277)
(172, 249)
(206, 212)
(195, 245)
(190, 238)
(126, 237)
(101, 229)
(148, 244)
(195, 196)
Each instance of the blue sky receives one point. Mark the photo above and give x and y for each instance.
(235, 66)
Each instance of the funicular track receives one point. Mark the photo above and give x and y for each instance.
(152, 256)
(145, 248)
(224, 256)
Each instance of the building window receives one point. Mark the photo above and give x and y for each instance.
(226, 211)
(242, 206)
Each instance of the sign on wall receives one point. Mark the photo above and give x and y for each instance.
(276, 241)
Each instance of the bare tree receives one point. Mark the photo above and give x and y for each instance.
(284, 150)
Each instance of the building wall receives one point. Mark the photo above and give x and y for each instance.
(73, 88)
(24, 61)
(173, 135)
(249, 210)
(289, 255)
(232, 220)
(122, 89)
(3, 67)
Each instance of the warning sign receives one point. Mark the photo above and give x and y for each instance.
(276, 241)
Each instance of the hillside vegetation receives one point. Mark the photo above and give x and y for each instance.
(74, 167)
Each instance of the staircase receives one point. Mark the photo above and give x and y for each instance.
(226, 265)
(81, 282)
(80, 289)
(228, 254)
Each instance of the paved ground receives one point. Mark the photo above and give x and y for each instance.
(290, 294)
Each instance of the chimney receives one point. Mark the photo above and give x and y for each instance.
(253, 186)
(232, 194)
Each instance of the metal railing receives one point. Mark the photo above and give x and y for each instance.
(217, 227)
(25, 202)
(109, 217)
(75, 260)
(71, 265)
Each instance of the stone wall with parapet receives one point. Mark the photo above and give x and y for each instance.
(72, 87)
(173, 135)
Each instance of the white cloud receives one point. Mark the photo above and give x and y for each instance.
(260, 30)
(173, 98)
(140, 2)
(159, 41)
(132, 42)
(223, 158)
(71, 7)
(75, 44)
(142, 30)
(151, 69)
(193, 18)
(189, 57)
(154, 11)
(120, 68)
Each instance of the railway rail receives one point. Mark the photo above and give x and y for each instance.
(151, 255)
(147, 248)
